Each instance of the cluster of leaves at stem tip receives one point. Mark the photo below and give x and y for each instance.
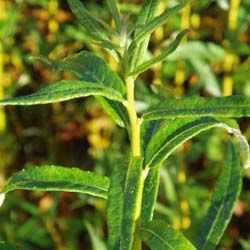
(132, 188)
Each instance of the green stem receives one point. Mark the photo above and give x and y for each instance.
(135, 122)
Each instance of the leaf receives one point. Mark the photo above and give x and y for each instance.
(149, 197)
(158, 235)
(116, 111)
(63, 91)
(115, 204)
(87, 21)
(115, 14)
(162, 56)
(230, 106)
(88, 67)
(147, 13)
(131, 203)
(8, 246)
(55, 178)
(174, 133)
(154, 24)
(224, 198)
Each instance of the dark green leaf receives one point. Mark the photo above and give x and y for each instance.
(230, 106)
(55, 178)
(132, 203)
(115, 205)
(174, 133)
(150, 191)
(225, 196)
(64, 90)
(158, 235)
(162, 56)
(8, 246)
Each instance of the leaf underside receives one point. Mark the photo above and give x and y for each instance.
(55, 178)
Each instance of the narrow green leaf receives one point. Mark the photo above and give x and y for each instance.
(116, 110)
(174, 133)
(158, 235)
(224, 198)
(87, 21)
(230, 106)
(154, 24)
(55, 178)
(63, 91)
(147, 13)
(149, 198)
(115, 14)
(115, 204)
(130, 204)
(162, 56)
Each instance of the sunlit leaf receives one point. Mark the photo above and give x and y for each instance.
(55, 178)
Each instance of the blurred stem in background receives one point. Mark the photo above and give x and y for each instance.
(2, 114)
(53, 24)
(229, 57)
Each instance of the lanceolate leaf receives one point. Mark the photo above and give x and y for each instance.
(230, 106)
(149, 197)
(55, 178)
(86, 20)
(64, 90)
(115, 205)
(174, 133)
(154, 24)
(131, 206)
(147, 13)
(162, 56)
(158, 235)
(226, 194)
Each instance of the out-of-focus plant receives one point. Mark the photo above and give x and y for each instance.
(157, 123)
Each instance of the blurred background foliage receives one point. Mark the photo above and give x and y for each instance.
(214, 60)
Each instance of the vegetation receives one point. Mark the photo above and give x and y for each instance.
(158, 120)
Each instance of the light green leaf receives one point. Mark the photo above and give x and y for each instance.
(147, 13)
(149, 197)
(156, 22)
(131, 206)
(158, 235)
(162, 56)
(115, 14)
(63, 91)
(87, 21)
(230, 106)
(174, 133)
(55, 178)
(115, 204)
(224, 198)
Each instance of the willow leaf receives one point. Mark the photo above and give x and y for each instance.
(158, 235)
(130, 206)
(149, 197)
(55, 178)
(153, 25)
(115, 205)
(87, 21)
(224, 198)
(162, 56)
(62, 91)
(174, 133)
(230, 106)
(147, 13)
